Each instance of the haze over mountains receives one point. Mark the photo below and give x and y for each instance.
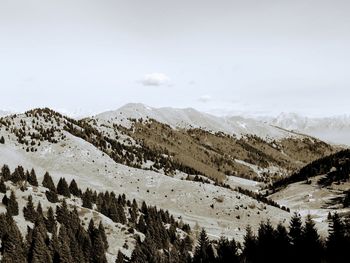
(334, 129)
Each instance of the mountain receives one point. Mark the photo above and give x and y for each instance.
(205, 177)
(200, 143)
(331, 129)
(190, 118)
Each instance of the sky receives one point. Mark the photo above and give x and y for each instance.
(221, 56)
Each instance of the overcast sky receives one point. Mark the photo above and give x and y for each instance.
(258, 57)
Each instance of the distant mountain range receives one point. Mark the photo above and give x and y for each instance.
(334, 130)
(331, 129)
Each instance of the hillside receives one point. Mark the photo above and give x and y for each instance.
(215, 152)
(195, 174)
(319, 188)
(216, 208)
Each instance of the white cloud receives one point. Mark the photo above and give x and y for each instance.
(155, 79)
(205, 98)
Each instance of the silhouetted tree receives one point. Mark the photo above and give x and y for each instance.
(204, 252)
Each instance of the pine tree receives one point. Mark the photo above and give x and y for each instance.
(48, 183)
(103, 234)
(29, 212)
(12, 244)
(2, 186)
(295, 234)
(282, 248)
(55, 245)
(227, 251)
(204, 252)
(266, 243)
(120, 258)
(5, 200)
(12, 206)
(250, 246)
(18, 175)
(336, 243)
(39, 252)
(87, 199)
(62, 213)
(62, 188)
(74, 189)
(39, 212)
(5, 172)
(65, 255)
(2, 140)
(311, 243)
(51, 196)
(50, 220)
(98, 247)
(32, 178)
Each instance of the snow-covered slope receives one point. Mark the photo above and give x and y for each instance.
(191, 118)
(219, 210)
(333, 129)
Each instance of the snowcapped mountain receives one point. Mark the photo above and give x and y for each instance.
(190, 118)
(4, 113)
(332, 129)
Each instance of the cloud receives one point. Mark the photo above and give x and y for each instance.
(205, 98)
(155, 79)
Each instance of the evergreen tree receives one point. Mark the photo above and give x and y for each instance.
(101, 229)
(266, 243)
(311, 243)
(65, 255)
(87, 199)
(98, 247)
(295, 235)
(336, 243)
(18, 175)
(282, 248)
(5, 172)
(39, 212)
(29, 212)
(51, 196)
(227, 251)
(48, 183)
(62, 188)
(5, 200)
(2, 186)
(32, 178)
(50, 220)
(39, 252)
(250, 246)
(12, 206)
(204, 252)
(120, 258)
(12, 245)
(2, 140)
(62, 213)
(74, 189)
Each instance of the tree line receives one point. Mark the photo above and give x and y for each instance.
(59, 235)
